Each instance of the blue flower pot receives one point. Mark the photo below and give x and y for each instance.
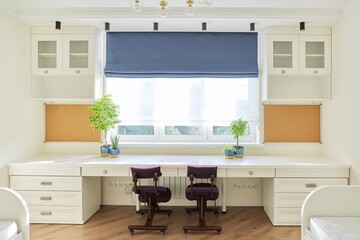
(239, 152)
(104, 150)
(114, 152)
(229, 154)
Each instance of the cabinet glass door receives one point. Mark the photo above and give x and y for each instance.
(315, 55)
(78, 54)
(283, 54)
(46, 54)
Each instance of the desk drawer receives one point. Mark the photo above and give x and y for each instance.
(51, 198)
(287, 216)
(103, 171)
(169, 171)
(251, 172)
(45, 183)
(305, 184)
(221, 172)
(289, 200)
(313, 172)
(55, 214)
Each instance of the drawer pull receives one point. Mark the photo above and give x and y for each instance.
(251, 173)
(311, 185)
(46, 183)
(105, 172)
(45, 198)
(45, 213)
(283, 71)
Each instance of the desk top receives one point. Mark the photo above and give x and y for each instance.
(183, 160)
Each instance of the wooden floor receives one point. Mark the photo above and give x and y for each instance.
(110, 223)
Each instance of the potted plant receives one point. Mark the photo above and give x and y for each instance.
(105, 117)
(238, 128)
(229, 151)
(115, 150)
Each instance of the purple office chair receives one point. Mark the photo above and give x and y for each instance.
(151, 195)
(201, 192)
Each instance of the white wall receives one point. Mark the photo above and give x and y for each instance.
(341, 115)
(21, 117)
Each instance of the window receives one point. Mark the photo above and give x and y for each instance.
(184, 110)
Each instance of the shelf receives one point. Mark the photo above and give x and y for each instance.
(47, 55)
(315, 55)
(79, 54)
(282, 55)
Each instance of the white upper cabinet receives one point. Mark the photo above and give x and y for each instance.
(283, 57)
(46, 54)
(63, 64)
(315, 57)
(298, 66)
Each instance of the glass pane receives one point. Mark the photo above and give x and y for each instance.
(314, 52)
(183, 130)
(221, 130)
(79, 54)
(282, 55)
(47, 54)
(136, 130)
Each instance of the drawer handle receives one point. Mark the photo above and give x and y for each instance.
(251, 173)
(316, 71)
(283, 71)
(105, 172)
(45, 213)
(46, 183)
(77, 71)
(45, 198)
(46, 71)
(311, 185)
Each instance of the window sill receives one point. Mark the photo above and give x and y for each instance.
(184, 144)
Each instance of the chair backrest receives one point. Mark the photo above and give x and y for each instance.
(201, 172)
(145, 172)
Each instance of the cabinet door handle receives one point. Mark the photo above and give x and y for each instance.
(45, 198)
(45, 213)
(311, 185)
(283, 71)
(46, 183)
(251, 173)
(105, 172)
(77, 71)
(316, 71)
(46, 71)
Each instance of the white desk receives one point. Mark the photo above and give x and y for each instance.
(66, 188)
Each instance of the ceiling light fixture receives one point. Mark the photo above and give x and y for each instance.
(136, 5)
(302, 26)
(190, 10)
(107, 27)
(252, 27)
(58, 25)
(204, 27)
(156, 27)
(164, 9)
(206, 3)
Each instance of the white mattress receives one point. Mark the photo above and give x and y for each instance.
(8, 229)
(335, 228)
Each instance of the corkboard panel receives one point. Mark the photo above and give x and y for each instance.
(69, 123)
(292, 123)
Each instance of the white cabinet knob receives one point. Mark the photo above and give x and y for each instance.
(283, 71)
(316, 72)
(46, 71)
(77, 71)
(105, 172)
(251, 173)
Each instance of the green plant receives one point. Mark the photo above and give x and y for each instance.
(105, 115)
(238, 128)
(114, 141)
(229, 147)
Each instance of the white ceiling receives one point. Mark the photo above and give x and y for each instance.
(223, 15)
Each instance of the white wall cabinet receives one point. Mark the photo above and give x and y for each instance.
(63, 64)
(298, 66)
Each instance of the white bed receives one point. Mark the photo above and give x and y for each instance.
(331, 213)
(14, 216)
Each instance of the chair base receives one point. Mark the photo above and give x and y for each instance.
(214, 210)
(160, 228)
(202, 228)
(144, 211)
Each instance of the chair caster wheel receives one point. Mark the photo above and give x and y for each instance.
(185, 231)
(162, 232)
(168, 214)
(216, 214)
(131, 231)
(188, 213)
(218, 231)
(142, 214)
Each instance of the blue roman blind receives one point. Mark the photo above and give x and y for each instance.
(181, 54)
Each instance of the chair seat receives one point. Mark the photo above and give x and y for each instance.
(164, 193)
(202, 190)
